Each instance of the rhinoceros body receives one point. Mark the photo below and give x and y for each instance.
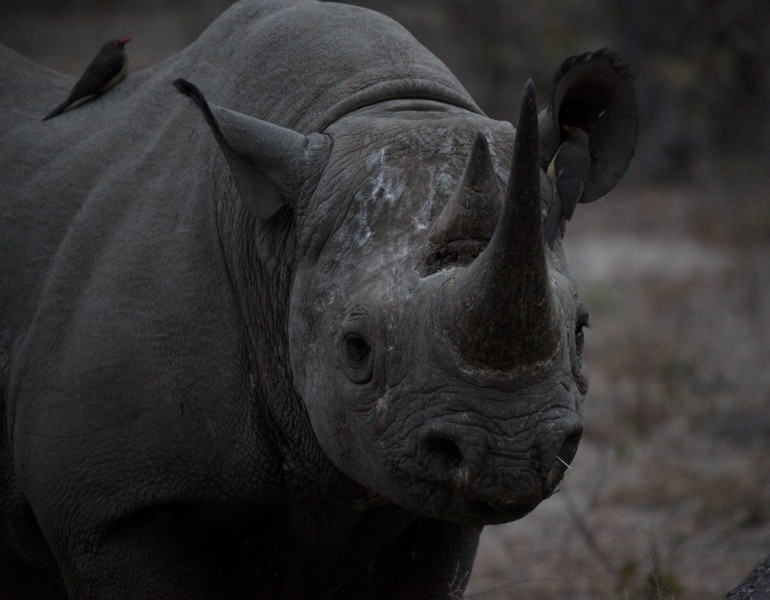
(303, 345)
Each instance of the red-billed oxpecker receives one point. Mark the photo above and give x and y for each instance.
(104, 72)
(568, 173)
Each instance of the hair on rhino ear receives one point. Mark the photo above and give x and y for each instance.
(594, 92)
(270, 164)
(193, 93)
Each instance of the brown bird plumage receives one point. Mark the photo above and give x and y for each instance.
(568, 173)
(104, 72)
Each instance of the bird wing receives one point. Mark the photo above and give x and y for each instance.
(99, 71)
(569, 187)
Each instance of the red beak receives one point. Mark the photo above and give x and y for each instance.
(126, 40)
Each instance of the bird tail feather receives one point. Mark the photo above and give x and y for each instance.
(58, 110)
(551, 227)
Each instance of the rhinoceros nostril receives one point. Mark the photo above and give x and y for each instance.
(442, 452)
(569, 448)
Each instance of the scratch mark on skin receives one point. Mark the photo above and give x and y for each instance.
(380, 405)
(382, 191)
(363, 228)
(418, 224)
(462, 478)
(379, 184)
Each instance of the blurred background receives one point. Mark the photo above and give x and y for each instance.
(669, 496)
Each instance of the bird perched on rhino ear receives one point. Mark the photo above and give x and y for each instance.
(104, 72)
(568, 173)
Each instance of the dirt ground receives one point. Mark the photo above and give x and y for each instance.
(669, 495)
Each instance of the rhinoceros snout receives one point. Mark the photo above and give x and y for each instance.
(498, 474)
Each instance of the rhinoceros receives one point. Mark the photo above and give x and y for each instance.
(293, 333)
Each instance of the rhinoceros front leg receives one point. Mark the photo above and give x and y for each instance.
(157, 554)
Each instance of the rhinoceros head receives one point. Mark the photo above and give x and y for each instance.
(435, 339)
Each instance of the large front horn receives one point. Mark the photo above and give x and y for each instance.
(497, 311)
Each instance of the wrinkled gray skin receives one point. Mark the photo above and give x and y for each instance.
(218, 385)
(756, 585)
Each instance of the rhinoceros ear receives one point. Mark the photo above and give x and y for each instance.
(269, 163)
(594, 92)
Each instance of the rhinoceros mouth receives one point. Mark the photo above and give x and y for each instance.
(496, 506)
(494, 514)
(476, 509)
(483, 499)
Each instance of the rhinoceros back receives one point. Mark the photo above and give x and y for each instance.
(305, 64)
(301, 64)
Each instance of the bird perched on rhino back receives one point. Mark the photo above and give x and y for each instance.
(107, 69)
(568, 173)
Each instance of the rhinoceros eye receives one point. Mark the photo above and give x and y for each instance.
(358, 356)
(356, 349)
(580, 325)
(355, 353)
